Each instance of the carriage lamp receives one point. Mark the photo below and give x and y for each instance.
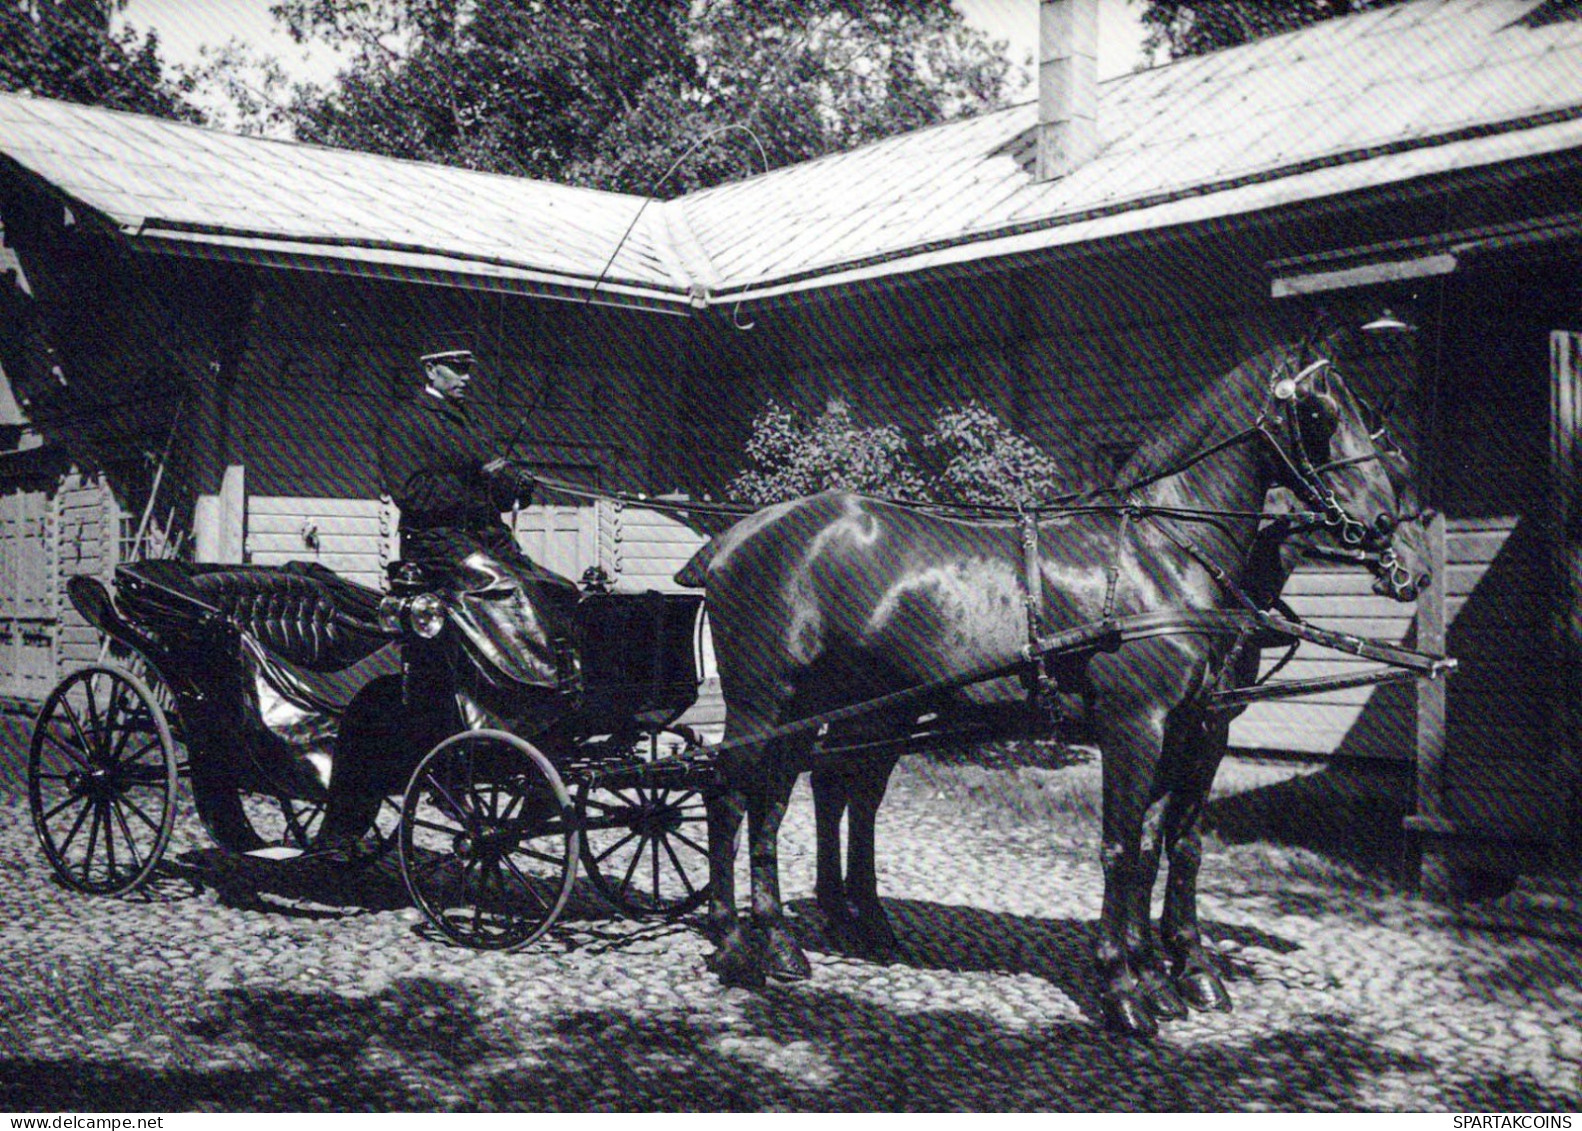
(420, 615)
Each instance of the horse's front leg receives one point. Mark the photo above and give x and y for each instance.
(1142, 946)
(829, 806)
(782, 957)
(1131, 744)
(871, 929)
(1191, 969)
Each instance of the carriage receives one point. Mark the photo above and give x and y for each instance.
(848, 630)
(259, 685)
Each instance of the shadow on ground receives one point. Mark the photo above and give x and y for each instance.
(427, 1044)
(1349, 813)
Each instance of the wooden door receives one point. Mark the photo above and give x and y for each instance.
(27, 596)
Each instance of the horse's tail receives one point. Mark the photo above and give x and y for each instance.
(694, 575)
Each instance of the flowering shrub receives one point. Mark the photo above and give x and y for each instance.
(966, 456)
(789, 456)
(973, 458)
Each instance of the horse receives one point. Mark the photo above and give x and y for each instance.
(847, 895)
(837, 599)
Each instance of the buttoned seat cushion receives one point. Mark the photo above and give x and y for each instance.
(300, 611)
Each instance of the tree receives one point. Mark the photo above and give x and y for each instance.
(66, 49)
(609, 93)
(1183, 27)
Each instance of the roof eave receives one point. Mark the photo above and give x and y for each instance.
(412, 264)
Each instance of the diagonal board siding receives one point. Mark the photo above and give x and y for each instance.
(1375, 722)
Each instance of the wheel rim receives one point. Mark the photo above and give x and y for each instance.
(488, 842)
(102, 779)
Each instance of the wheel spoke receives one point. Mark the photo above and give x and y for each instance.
(151, 744)
(131, 843)
(78, 754)
(459, 811)
(93, 841)
(109, 836)
(115, 723)
(435, 827)
(537, 854)
(144, 817)
(529, 885)
(76, 826)
(608, 852)
(680, 871)
(689, 842)
(96, 727)
(631, 869)
(71, 798)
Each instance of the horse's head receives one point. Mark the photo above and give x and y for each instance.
(1345, 469)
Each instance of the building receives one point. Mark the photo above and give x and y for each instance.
(1078, 264)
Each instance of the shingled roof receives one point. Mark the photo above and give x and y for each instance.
(1386, 96)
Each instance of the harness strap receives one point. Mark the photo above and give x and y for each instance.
(1112, 574)
(1033, 590)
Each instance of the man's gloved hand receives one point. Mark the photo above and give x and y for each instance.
(510, 484)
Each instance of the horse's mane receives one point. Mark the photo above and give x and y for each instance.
(1219, 411)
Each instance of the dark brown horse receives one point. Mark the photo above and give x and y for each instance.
(839, 599)
(848, 896)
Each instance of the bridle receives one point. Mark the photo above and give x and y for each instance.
(1369, 544)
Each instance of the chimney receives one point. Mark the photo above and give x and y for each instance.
(1068, 79)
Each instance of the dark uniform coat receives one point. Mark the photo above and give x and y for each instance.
(431, 457)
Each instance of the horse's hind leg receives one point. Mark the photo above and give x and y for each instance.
(735, 959)
(766, 808)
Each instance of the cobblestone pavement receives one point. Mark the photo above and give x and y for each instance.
(264, 987)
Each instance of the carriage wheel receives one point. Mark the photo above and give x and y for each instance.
(645, 847)
(488, 840)
(101, 777)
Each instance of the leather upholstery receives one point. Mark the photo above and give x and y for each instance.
(300, 612)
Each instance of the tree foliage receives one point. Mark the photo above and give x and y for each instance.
(66, 49)
(609, 93)
(966, 455)
(1181, 28)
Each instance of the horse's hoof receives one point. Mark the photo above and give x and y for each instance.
(1203, 992)
(873, 934)
(784, 960)
(1126, 1015)
(736, 962)
(717, 928)
(1163, 1001)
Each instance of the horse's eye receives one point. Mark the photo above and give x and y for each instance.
(1384, 523)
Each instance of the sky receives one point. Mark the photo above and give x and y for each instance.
(185, 26)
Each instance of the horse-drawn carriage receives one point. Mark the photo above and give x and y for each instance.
(1151, 600)
(295, 704)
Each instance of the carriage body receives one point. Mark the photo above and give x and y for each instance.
(274, 680)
